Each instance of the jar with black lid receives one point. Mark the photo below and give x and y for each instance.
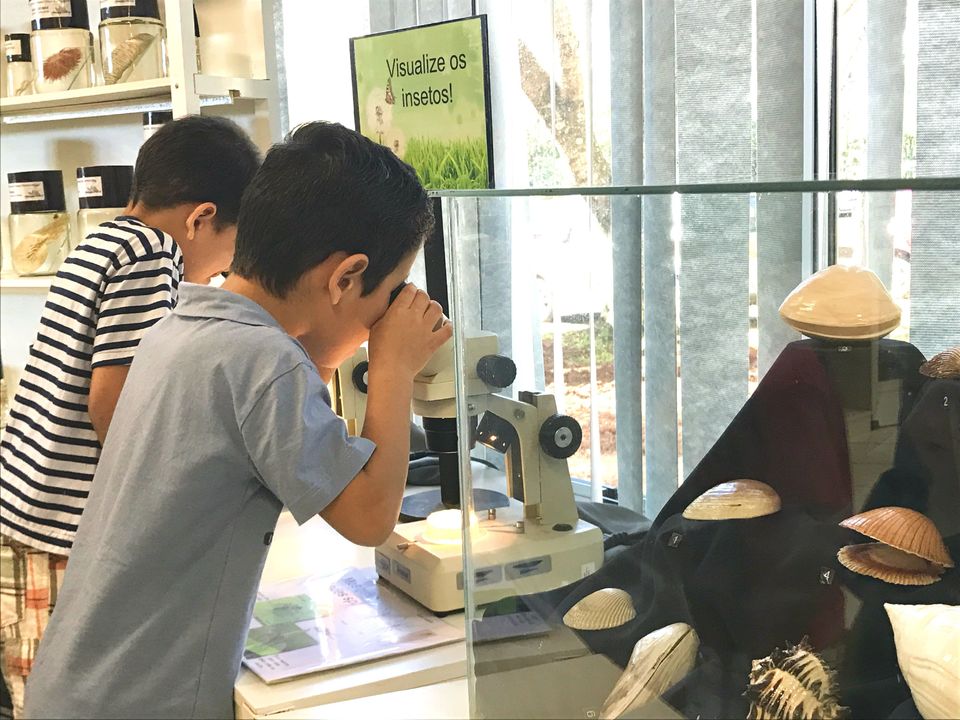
(154, 120)
(16, 49)
(39, 224)
(61, 45)
(103, 192)
(132, 41)
(196, 38)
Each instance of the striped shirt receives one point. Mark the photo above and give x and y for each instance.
(113, 287)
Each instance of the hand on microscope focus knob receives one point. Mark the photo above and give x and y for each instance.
(408, 334)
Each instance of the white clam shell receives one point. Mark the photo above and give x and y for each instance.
(601, 610)
(928, 650)
(734, 500)
(659, 660)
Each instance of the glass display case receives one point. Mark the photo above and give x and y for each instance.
(730, 453)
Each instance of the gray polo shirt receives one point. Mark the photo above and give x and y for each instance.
(222, 421)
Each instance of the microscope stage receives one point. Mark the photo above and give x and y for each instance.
(505, 560)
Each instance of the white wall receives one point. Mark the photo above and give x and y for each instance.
(316, 44)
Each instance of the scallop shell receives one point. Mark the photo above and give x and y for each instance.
(905, 530)
(61, 64)
(125, 55)
(658, 661)
(928, 651)
(841, 303)
(792, 683)
(889, 564)
(31, 253)
(943, 365)
(601, 610)
(737, 499)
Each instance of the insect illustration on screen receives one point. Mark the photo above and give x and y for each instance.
(389, 98)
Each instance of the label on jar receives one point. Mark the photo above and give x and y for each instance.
(50, 9)
(90, 186)
(26, 192)
(12, 47)
(107, 4)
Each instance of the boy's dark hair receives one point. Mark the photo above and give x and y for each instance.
(327, 189)
(196, 159)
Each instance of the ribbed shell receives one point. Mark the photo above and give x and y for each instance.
(904, 529)
(601, 610)
(658, 661)
(889, 564)
(943, 365)
(734, 500)
(792, 683)
(32, 252)
(928, 650)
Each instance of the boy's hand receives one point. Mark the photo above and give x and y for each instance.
(407, 335)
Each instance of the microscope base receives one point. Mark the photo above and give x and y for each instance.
(506, 561)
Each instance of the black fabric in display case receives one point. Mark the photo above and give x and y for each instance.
(747, 586)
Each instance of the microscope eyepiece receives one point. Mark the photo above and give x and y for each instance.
(396, 291)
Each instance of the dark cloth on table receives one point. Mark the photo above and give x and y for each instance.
(926, 472)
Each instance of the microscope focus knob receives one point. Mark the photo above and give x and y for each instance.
(359, 376)
(497, 371)
(560, 436)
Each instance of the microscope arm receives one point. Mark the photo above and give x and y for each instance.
(544, 479)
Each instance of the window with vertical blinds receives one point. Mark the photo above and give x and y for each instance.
(652, 321)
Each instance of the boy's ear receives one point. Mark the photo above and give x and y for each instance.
(347, 276)
(203, 212)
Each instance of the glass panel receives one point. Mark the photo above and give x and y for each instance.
(696, 350)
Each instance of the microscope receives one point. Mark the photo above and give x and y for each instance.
(530, 540)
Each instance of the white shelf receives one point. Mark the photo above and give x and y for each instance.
(12, 283)
(104, 95)
(129, 98)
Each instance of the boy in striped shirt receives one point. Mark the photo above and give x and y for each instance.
(180, 224)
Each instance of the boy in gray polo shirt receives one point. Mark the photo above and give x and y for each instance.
(226, 418)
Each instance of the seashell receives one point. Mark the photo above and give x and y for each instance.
(61, 64)
(905, 530)
(737, 499)
(601, 610)
(658, 661)
(32, 252)
(943, 365)
(125, 55)
(792, 683)
(841, 303)
(928, 651)
(889, 564)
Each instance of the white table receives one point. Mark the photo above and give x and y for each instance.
(425, 684)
